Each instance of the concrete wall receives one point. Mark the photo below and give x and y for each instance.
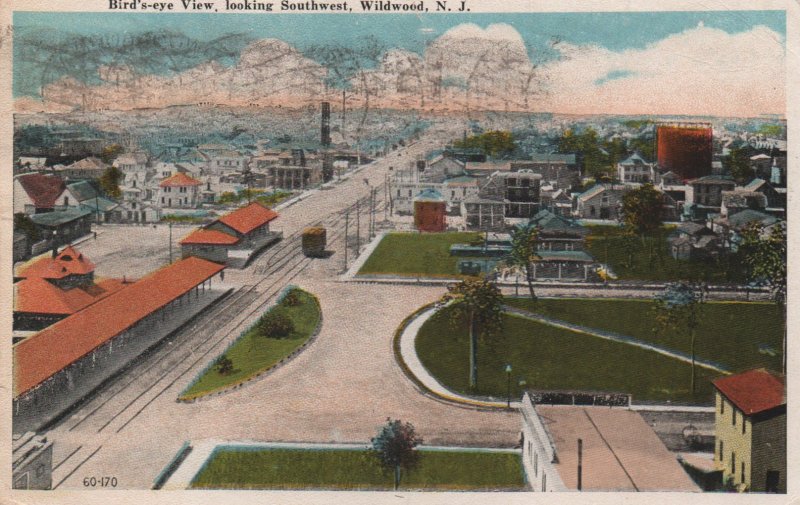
(768, 452)
(70, 385)
(537, 452)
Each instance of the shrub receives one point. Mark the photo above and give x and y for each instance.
(291, 299)
(276, 324)
(223, 365)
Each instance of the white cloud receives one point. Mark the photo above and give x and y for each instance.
(699, 71)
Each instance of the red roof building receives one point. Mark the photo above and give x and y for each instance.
(209, 237)
(49, 351)
(36, 192)
(37, 296)
(754, 391)
(68, 262)
(178, 180)
(248, 218)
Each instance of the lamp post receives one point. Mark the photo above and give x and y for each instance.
(508, 386)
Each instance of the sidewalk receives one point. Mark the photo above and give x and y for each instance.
(409, 356)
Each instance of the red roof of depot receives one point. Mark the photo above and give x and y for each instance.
(44, 190)
(38, 296)
(67, 262)
(180, 179)
(203, 236)
(248, 218)
(42, 355)
(753, 391)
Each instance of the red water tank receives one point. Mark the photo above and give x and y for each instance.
(685, 149)
(429, 215)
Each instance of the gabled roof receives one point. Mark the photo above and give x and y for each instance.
(569, 159)
(747, 216)
(68, 262)
(90, 163)
(83, 190)
(546, 221)
(634, 159)
(248, 218)
(42, 355)
(59, 217)
(211, 237)
(38, 296)
(713, 179)
(753, 391)
(755, 184)
(42, 189)
(180, 179)
(591, 192)
(429, 195)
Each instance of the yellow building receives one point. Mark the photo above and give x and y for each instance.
(751, 431)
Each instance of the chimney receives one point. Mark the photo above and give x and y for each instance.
(55, 244)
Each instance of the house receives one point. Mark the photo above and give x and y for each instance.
(484, 169)
(487, 214)
(233, 238)
(750, 418)
(36, 193)
(294, 177)
(693, 240)
(557, 201)
(179, 191)
(634, 169)
(89, 197)
(776, 196)
(443, 167)
(594, 442)
(707, 190)
(63, 226)
(761, 165)
(559, 170)
(222, 159)
(519, 189)
(49, 289)
(456, 189)
(31, 462)
(601, 201)
(742, 199)
(86, 168)
(729, 228)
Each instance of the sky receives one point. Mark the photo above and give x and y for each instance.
(596, 50)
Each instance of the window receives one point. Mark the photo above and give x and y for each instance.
(733, 417)
(66, 201)
(742, 471)
(721, 451)
(409, 193)
(721, 405)
(733, 462)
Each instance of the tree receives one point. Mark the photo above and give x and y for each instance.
(24, 224)
(643, 209)
(479, 303)
(680, 305)
(395, 447)
(737, 163)
(491, 143)
(109, 153)
(110, 180)
(764, 255)
(276, 324)
(223, 365)
(524, 247)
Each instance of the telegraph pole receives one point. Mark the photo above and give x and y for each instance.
(346, 229)
(170, 242)
(358, 226)
(580, 464)
(386, 198)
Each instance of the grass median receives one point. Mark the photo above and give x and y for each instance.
(417, 254)
(352, 469)
(255, 352)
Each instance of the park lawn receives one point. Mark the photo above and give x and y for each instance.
(252, 353)
(729, 333)
(413, 254)
(550, 358)
(657, 265)
(249, 468)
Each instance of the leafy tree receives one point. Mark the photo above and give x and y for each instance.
(479, 303)
(586, 146)
(291, 299)
(223, 365)
(276, 324)
(24, 224)
(679, 305)
(764, 256)
(491, 143)
(524, 247)
(643, 209)
(737, 163)
(395, 447)
(110, 180)
(109, 153)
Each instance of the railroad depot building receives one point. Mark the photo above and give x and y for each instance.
(618, 451)
(48, 289)
(66, 361)
(751, 431)
(234, 238)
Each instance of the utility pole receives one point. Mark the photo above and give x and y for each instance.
(170, 242)
(346, 230)
(358, 226)
(371, 213)
(580, 464)
(386, 198)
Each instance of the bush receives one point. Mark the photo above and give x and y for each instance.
(276, 324)
(223, 365)
(291, 299)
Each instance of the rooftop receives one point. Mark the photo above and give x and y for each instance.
(46, 353)
(42, 189)
(753, 391)
(621, 452)
(180, 179)
(59, 217)
(212, 237)
(38, 296)
(248, 218)
(67, 262)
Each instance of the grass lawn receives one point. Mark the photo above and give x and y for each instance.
(413, 254)
(630, 259)
(253, 353)
(730, 333)
(246, 468)
(549, 358)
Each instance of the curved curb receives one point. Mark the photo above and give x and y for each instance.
(406, 356)
(231, 388)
